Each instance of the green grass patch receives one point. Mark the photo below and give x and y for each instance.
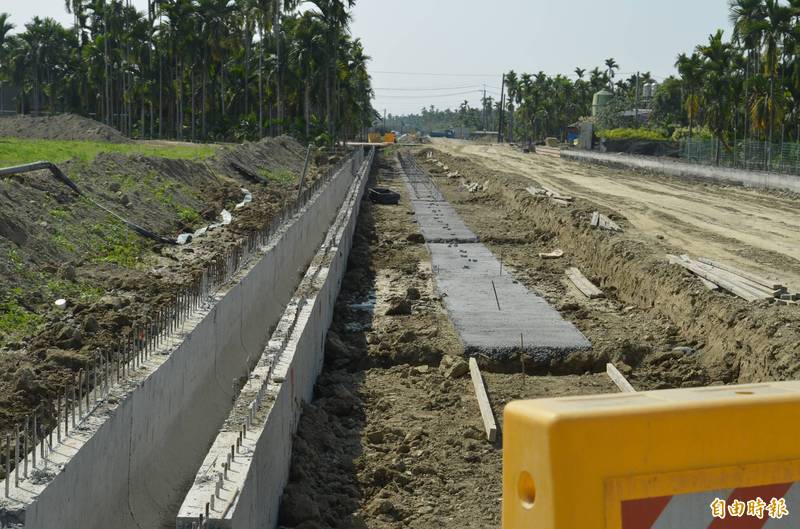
(60, 240)
(281, 176)
(117, 244)
(73, 290)
(16, 261)
(188, 215)
(16, 320)
(15, 151)
(61, 214)
(164, 193)
(632, 134)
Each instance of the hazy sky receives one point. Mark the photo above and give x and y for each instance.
(442, 52)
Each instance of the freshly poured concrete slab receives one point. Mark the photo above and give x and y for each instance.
(491, 311)
(467, 276)
(423, 188)
(439, 222)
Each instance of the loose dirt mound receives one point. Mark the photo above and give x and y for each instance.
(59, 127)
(55, 244)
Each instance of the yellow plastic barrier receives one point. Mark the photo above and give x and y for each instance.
(714, 457)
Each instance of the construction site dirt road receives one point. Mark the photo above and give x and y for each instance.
(755, 230)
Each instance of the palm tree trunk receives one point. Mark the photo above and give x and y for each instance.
(511, 123)
(276, 26)
(107, 83)
(260, 79)
(770, 117)
(191, 95)
(160, 96)
(328, 107)
(307, 105)
(203, 103)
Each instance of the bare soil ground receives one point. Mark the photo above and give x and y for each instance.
(659, 323)
(54, 244)
(59, 127)
(755, 230)
(394, 436)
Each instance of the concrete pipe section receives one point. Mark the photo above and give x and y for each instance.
(493, 313)
(131, 453)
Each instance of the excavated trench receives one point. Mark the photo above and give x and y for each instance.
(394, 437)
(671, 331)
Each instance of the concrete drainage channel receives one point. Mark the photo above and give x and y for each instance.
(239, 485)
(129, 462)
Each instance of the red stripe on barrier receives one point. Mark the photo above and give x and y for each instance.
(765, 492)
(642, 514)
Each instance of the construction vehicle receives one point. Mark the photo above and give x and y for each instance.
(378, 137)
(449, 133)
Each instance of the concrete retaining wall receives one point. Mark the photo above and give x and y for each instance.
(253, 489)
(685, 170)
(257, 506)
(133, 472)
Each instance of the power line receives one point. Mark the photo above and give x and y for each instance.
(431, 95)
(435, 74)
(428, 89)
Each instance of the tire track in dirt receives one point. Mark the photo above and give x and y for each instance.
(754, 230)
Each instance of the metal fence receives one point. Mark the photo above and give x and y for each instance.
(749, 155)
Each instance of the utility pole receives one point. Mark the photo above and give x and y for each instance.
(502, 110)
(384, 120)
(483, 107)
(636, 100)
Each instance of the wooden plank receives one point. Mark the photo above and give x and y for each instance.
(708, 284)
(483, 401)
(619, 379)
(555, 194)
(601, 221)
(734, 288)
(584, 285)
(552, 255)
(533, 190)
(757, 290)
(768, 283)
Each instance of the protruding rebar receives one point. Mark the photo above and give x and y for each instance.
(72, 394)
(96, 383)
(86, 391)
(66, 411)
(8, 465)
(58, 418)
(25, 449)
(41, 438)
(80, 393)
(16, 455)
